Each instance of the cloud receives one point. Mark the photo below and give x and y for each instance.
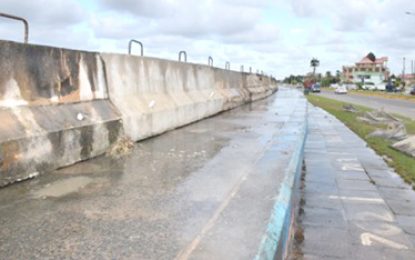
(227, 30)
(146, 8)
(193, 19)
(392, 27)
(46, 12)
(351, 28)
(50, 22)
(261, 33)
(271, 35)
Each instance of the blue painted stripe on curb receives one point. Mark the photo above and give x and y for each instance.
(277, 232)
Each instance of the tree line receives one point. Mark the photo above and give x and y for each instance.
(325, 80)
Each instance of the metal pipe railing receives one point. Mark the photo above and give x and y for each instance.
(138, 42)
(210, 61)
(184, 54)
(227, 65)
(26, 24)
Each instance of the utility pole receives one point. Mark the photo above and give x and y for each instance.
(403, 72)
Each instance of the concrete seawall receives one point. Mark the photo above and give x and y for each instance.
(155, 95)
(54, 109)
(62, 106)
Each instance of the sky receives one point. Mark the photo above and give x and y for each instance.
(279, 37)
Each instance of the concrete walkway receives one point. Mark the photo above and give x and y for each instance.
(204, 191)
(355, 206)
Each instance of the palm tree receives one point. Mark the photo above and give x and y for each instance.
(314, 63)
(371, 56)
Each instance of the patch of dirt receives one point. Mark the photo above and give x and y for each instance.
(122, 147)
(350, 108)
(295, 251)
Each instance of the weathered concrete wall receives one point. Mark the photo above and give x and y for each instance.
(39, 75)
(61, 106)
(54, 109)
(155, 95)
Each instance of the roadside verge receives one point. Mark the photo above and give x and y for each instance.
(403, 164)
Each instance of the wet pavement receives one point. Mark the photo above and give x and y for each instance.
(354, 205)
(204, 191)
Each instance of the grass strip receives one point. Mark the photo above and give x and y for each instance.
(403, 164)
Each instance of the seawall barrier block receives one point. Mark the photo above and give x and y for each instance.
(60, 106)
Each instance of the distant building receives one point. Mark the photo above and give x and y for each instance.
(409, 79)
(369, 69)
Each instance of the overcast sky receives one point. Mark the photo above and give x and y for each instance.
(276, 36)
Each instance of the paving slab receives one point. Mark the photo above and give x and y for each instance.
(402, 207)
(379, 234)
(324, 217)
(354, 205)
(352, 175)
(407, 223)
(323, 201)
(356, 210)
(325, 242)
(400, 194)
(384, 253)
(353, 184)
(389, 182)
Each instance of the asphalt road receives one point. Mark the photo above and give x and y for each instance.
(401, 107)
(204, 191)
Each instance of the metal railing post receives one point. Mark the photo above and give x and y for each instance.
(138, 42)
(250, 69)
(184, 54)
(26, 24)
(210, 61)
(242, 68)
(227, 65)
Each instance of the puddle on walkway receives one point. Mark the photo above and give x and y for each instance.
(62, 188)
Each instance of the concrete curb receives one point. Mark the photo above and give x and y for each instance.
(276, 239)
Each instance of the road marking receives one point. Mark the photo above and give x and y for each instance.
(350, 164)
(367, 239)
(357, 199)
(369, 216)
(382, 229)
(347, 160)
(352, 167)
(186, 252)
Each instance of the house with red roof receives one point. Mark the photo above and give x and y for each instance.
(368, 69)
